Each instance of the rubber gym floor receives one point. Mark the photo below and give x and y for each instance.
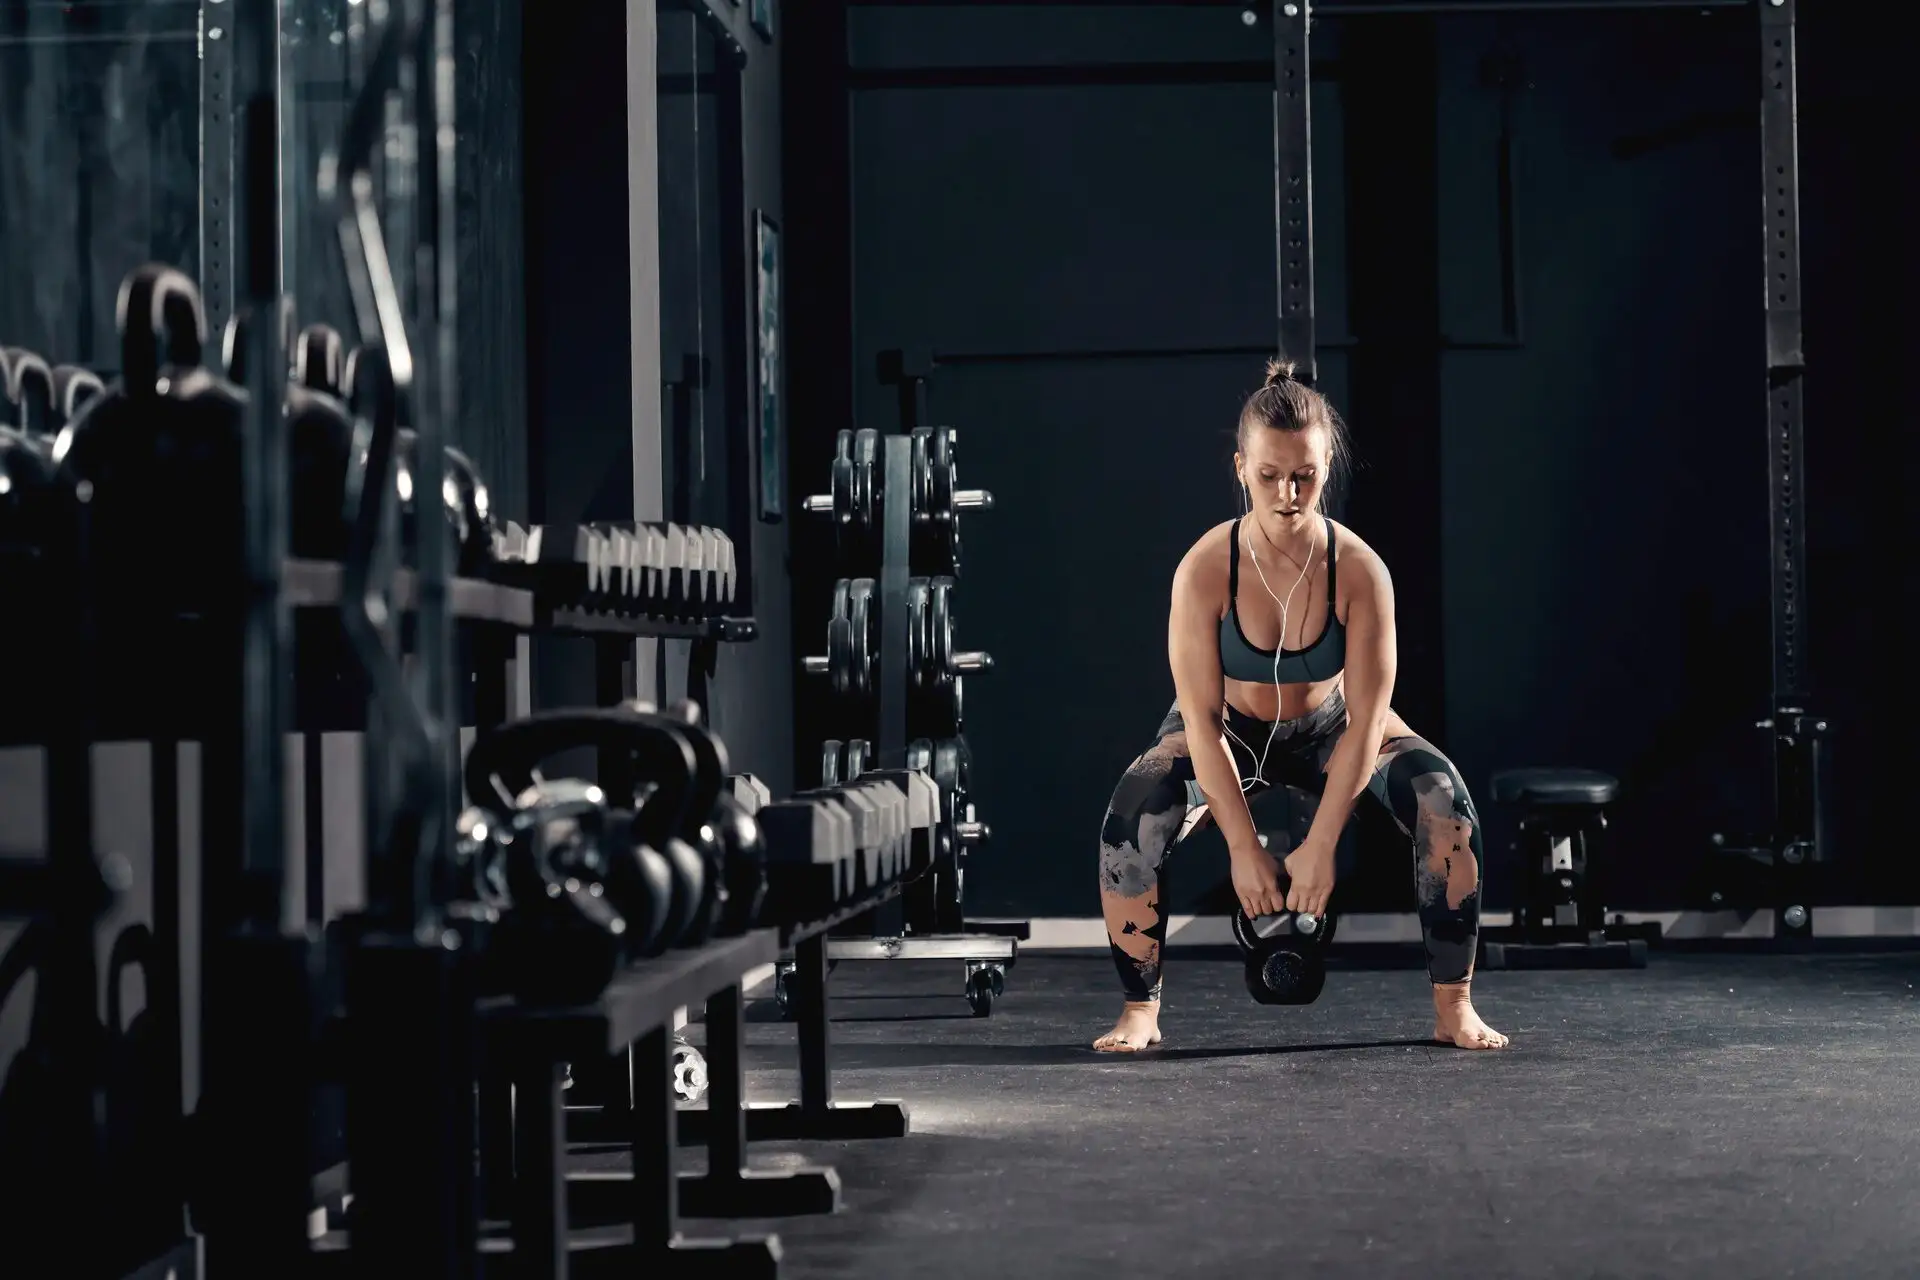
(1712, 1115)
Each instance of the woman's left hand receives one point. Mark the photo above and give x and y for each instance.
(1310, 876)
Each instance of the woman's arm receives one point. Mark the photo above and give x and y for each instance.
(1193, 651)
(1373, 659)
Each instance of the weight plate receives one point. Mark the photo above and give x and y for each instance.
(859, 752)
(840, 639)
(830, 763)
(944, 480)
(919, 608)
(940, 629)
(843, 486)
(866, 479)
(860, 617)
(920, 755)
(922, 470)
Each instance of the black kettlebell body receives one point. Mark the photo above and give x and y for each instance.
(1285, 967)
(744, 855)
(562, 942)
(319, 449)
(157, 459)
(640, 881)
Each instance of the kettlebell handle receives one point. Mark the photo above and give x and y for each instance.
(501, 763)
(156, 300)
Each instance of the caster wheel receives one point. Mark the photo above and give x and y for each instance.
(783, 990)
(984, 986)
(689, 1072)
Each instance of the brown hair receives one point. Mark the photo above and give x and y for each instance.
(1283, 403)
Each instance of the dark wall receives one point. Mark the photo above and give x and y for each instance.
(1563, 460)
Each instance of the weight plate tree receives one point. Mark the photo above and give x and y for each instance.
(896, 669)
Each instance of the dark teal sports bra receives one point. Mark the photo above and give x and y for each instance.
(1324, 659)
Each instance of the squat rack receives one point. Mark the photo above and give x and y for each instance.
(1796, 841)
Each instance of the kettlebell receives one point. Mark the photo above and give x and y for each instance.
(464, 500)
(744, 856)
(562, 941)
(1287, 967)
(502, 763)
(72, 388)
(698, 827)
(637, 878)
(31, 397)
(160, 455)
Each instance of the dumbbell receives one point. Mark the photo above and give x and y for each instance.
(841, 762)
(810, 853)
(922, 815)
(870, 831)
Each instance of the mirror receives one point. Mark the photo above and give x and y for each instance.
(706, 404)
(99, 166)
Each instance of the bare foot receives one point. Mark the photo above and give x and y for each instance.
(1137, 1029)
(1455, 1022)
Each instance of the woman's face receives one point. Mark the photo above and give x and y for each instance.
(1285, 473)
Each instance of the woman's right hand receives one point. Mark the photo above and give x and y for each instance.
(1256, 881)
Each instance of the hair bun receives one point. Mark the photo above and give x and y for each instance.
(1279, 371)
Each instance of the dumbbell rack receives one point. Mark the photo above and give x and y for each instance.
(877, 478)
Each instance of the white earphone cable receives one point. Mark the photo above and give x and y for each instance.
(1260, 768)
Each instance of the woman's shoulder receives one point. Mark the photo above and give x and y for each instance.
(1357, 561)
(1204, 568)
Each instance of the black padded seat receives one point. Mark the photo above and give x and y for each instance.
(1562, 787)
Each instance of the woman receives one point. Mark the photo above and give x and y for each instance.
(1281, 639)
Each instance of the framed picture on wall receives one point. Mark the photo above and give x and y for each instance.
(760, 14)
(772, 481)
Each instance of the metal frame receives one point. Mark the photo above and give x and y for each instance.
(1798, 839)
(1293, 184)
(739, 305)
(217, 91)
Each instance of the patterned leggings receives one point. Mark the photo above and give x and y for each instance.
(1411, 778)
